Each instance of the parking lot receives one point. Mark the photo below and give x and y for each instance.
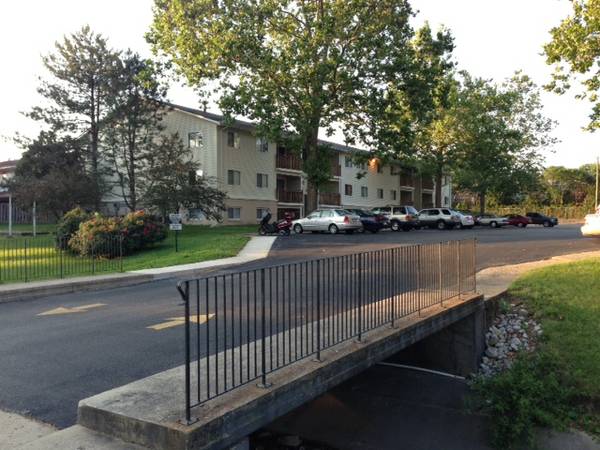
(499, 246)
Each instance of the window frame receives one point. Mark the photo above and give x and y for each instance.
(234, 208)
(231, 178)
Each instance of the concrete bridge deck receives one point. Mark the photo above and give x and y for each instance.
(148, 412)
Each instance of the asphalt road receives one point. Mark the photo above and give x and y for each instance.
(50, 362)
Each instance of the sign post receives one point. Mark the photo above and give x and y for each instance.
(175, 225)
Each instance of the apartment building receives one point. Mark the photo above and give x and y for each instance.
(258, 175)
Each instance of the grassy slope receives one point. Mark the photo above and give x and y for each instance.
(567, 300)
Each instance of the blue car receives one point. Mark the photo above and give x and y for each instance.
(370, 222)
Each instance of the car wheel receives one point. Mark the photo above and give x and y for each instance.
(521, 225)
(333, 229)
(262, 231)
(546, 224)
(458, 226)
(298, 229)
(361, 230)
(395, 225)
(494, 224)
(441, 225)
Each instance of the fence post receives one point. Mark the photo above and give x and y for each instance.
(120, 253)
(419, 278)
(360, 292)
(93, 260)
(26, 262)
(61, 244)
(318, 358)
(458, 266)
(394, 283)
(440, 282)
(185, 295)
(474, 272)
(263, 383)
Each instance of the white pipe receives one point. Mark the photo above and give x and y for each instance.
(421, 369)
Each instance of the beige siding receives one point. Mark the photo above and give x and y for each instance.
(373, 181)
(184, 123)
(249, 161)
(248, 210)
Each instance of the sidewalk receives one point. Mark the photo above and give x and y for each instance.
(257, 248)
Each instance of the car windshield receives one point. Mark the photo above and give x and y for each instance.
(343, 212)
(411, 210)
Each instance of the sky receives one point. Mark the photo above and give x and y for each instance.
(493, 39)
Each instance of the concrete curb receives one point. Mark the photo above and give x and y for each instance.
(256, 248)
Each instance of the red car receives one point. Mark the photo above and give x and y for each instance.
(518, 221)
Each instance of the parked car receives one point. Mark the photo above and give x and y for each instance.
(400, 217)
(518, 220)
(370, 222)
(491, 220)
(330, 220)
(591, 227)
(541, 219)
(440, 218)
(466, 220)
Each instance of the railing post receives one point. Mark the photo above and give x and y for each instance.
(360, 293)
(458, 267)
(120, 253)
(93, 260)
(26, 262)
(440, 282)
(263, 379)
(318, 358)
(419, 278)
(474, 271)
(61, 246)
(394, 283)
(185, 295)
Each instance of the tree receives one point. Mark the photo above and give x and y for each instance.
(501, 130)
(574, 51)
(174, 181)
(292, 66)
(434, 122)
(82, 73)
(135, 124)
(52, 173)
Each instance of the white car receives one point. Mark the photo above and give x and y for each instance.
(591, 227)
(399, 217)
(466, 220)
(492, 220)
(330, 220)
(440, 218)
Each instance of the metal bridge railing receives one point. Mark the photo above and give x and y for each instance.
(242, 326)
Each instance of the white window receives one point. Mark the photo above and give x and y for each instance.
(233, 139)
(234, 213)
(379, 193)
(233, 177)
(261, 212)
(348, 161)
(364, 191)
(262, 145)
(393, 194)
(262, 180)
(195, 139)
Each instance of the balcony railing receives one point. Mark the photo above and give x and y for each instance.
(336, 170)
(288, 161)
(427, 183)
(407, 180)
(329, 198)
(289, 196)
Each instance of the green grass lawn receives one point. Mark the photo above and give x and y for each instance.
(558, 385)
(28, 259)
(26, 228)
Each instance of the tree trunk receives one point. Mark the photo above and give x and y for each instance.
(438, 188)
(482, 202)
(312, 197)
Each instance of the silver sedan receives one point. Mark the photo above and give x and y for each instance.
(330, 220)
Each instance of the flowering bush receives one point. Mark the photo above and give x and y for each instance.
(140, 230)
(99, 236)
(111, 236)
(68, 226)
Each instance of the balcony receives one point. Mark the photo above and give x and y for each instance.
(288, 161)
(284, 196)
(407, 179)
(336, 171)
(427, 183)
(329, 198)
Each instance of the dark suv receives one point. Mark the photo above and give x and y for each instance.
(540, 219)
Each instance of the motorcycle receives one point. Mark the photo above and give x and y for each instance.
(282, 227)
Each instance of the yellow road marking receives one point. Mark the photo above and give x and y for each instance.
(67, 310)
(176, 321)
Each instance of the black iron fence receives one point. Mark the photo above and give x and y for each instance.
(48, 257)
(242, 326)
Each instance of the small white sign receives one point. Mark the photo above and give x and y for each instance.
(175, 227)
(175, 218)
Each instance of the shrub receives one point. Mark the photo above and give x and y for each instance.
(533, 392)
(140, 230)
(68, 226)
(99, 236)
